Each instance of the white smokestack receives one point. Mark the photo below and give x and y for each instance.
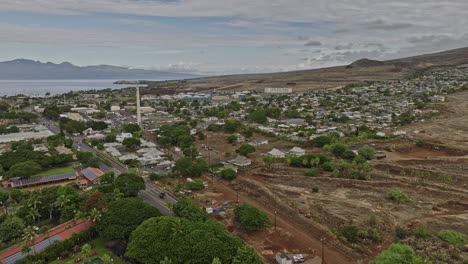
(138, 105)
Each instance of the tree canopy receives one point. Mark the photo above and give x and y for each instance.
(251, 218)
(129, 184)
(183, 241)
(190, 168)
(123, 216)
(245, 149)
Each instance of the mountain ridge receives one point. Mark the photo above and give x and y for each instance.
(25, 69)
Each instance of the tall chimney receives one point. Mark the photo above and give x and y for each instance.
(138, 105)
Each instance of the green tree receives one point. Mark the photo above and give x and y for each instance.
(24, 170)
(321, 141)
(232, 125)
(246, 254)
(258, 116)
(190, 168)
(186, 209)
(251, 218)
(367, 152)
(131, 142)
(86, 250)
(29, 234)
(191, 242)
(130, 128)
(129, 184)
(11, 228)
(123, 216)
(399, 253)
(245, 149)
(228, 174)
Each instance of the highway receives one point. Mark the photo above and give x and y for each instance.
(151, 194)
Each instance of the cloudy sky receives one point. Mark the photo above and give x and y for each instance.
(228, 36)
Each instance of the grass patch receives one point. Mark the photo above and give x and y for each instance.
(52, 172)
(453, 237)
(399, 196)
(98, 245)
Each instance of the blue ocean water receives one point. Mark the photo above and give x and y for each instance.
(41, 87)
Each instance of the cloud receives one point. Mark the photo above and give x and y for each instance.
(344, 47)
(379, 24)
(360, 28)
(313, 43)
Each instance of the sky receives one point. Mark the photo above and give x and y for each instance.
(228, 36)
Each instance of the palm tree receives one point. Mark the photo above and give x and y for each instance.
(62, 201)
(94, 215)
(86, 250)
(26, 249)
(33, 200)
(106, 259)
(33, 214)
(29, 234)
(166, 260)
(177, 226)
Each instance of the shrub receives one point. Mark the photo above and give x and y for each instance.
(312, 172)
(350, 233)
(401, 232)
(421, 143)
(348, 155)
(228, 174)
(338, 149)
(251, 218)
(245, 149)
(315, 189)
(453, 237)
(399, 196)
(195, 185)
(422, 232)
(232, 139)
(401, 254)
(156, 176)
(367, 152)
(321, 141)
(328, 166)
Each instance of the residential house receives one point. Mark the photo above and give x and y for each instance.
(240, 161)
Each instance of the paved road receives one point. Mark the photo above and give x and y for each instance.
(152, 192)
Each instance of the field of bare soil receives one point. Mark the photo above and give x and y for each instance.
(450, 127)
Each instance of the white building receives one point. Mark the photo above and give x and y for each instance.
(278, 90)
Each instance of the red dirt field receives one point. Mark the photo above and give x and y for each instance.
(289, 236)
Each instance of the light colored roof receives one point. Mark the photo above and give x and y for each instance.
(276, 152)
(240, 161)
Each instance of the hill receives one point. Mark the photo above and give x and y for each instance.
(327, 78)
(22, 69)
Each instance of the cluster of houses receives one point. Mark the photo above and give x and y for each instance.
(148, 154)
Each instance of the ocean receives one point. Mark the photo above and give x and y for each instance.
(41, 87)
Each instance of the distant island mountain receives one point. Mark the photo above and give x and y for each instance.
(23, 69)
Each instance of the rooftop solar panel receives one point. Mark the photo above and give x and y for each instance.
(44, 179)
(91, 174)
(36, 248)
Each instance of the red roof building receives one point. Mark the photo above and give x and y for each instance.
(59, 233)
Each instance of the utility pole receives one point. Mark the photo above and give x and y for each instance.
(276, 212)
(323, 249)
